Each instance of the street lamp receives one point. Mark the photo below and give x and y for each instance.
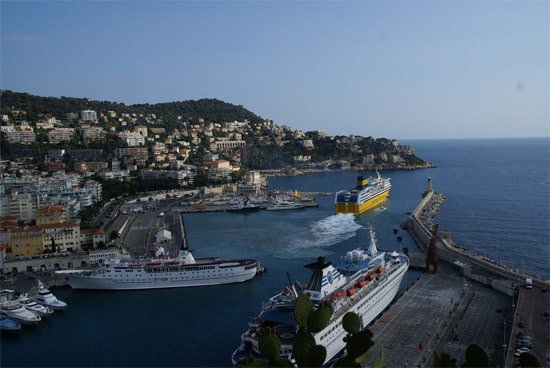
(504, 338)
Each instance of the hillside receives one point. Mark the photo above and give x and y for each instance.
(187, 126)
(211, 110)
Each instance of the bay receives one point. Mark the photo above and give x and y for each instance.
(497, 204)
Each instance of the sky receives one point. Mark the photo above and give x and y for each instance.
(425, 69)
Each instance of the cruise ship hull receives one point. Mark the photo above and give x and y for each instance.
(129, 278)
(369, 312)
(365, 282)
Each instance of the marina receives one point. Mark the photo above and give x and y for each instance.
(446, 310)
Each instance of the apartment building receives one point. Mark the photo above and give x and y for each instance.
(65, 236)
(26, 241)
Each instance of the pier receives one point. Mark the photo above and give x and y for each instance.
(468, 299)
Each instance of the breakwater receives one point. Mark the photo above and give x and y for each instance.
(420, 224)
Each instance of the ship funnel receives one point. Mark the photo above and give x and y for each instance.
(372, 246)
(361, 182)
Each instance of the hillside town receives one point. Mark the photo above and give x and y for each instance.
(55, 167)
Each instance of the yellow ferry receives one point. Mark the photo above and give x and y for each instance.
(368, 194)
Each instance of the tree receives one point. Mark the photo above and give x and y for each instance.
(476, 356)
(114, 235)
(444, 360)
(529, 360)
(304, 350)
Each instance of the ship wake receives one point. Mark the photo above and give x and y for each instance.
(321, 234)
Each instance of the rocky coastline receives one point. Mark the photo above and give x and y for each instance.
(297, 170)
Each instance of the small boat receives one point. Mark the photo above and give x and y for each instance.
(14, 310)
(283, 204)
(33, 306)
(46, 298)
(246, 206)
(8, 324)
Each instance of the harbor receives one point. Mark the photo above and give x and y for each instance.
(423, 319)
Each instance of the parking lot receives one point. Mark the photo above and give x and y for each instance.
(443, 312)
(532, 320)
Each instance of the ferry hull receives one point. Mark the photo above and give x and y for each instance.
(358, 208)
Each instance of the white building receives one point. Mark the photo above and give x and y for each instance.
(132, 139)
(88, 115)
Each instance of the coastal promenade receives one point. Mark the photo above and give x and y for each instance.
(469, 299)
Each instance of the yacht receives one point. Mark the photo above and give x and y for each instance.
(14, 310)
(26, 301)
(46, 298)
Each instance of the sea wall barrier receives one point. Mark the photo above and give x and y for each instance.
(480, 268)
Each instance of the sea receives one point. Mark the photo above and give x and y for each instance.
(497, 205)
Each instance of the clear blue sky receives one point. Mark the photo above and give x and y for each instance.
(394, 69)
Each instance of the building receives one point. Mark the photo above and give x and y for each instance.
(132, 139)
(21, 136)
(102, 256)
(141, 130)
(91, 167)
(86, 154)
(26, 241)
(59, 135)
(92, 238)
(49, 215)
(222, 145)
(63, 237)
(88, 115)
(137, 152)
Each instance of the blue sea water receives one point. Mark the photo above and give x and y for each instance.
(497, 204)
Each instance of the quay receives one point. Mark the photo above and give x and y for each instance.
(462, 298)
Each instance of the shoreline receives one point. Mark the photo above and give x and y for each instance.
(296, 171)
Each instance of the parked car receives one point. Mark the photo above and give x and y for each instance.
(524, 345)
(521, 351)
(525, 338)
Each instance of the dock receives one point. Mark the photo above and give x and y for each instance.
(469, 299)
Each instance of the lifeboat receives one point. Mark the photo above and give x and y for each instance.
(338, 294)
(350, 291)
(153, 264)
(370, 277)
(135, 265)
(360, 284)
(172, 263)
(379, 269)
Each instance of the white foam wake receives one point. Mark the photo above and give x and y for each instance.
(322, 233)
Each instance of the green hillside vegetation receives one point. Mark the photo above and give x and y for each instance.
(268, 147)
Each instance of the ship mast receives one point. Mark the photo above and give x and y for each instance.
(184, 243)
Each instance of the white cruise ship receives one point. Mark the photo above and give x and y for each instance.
(364, 282)
(158, 273)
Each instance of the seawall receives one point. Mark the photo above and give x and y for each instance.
(487, 271)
